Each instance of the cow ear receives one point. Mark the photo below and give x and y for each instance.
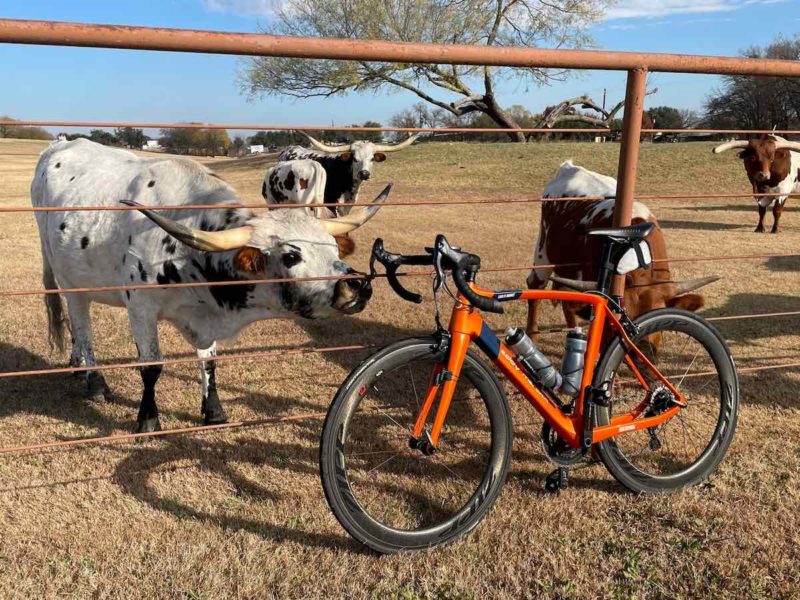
(379, 157)
(690, 302)
(346, 245)
(250, 260)
(346, 155)
(745, 153)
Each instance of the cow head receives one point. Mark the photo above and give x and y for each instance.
(288, 245)
(766, 159)
(360, 154)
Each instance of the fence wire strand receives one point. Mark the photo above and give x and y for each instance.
(400, 203)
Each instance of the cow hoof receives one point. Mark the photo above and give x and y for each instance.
(215, 417)
(148, 425)
(759, 230)
(96, 387)
(774, 231)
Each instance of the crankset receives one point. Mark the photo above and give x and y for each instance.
(559, 451)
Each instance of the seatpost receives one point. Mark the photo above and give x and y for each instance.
(605, 273)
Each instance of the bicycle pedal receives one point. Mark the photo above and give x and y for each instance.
(557, 480)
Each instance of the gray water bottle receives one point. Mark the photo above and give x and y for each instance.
(572, 364)
(537, 364)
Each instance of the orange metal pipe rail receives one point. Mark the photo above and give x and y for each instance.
(51, 33)
(355, 128)
(238, 126)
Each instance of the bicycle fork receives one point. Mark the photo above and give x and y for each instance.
(444, 378)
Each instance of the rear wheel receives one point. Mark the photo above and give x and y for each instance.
(390, 496)
(687, 448)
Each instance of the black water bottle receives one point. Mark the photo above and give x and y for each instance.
(572, 364)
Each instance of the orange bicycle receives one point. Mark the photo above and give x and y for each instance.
(656, 397)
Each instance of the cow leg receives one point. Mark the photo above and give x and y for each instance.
(211, 409)
(762, 210)
(145, 333)
(82, 354)
(148, 410)
(537, 280)
(570, 308)
(777, 211)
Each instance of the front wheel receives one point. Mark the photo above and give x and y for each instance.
(687, 448)
(395, 498)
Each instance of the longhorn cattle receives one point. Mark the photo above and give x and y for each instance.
(346, 166)
(108, 248)
(297, 182)
(563, 241)
(772, 168)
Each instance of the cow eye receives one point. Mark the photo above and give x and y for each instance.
(290, 259)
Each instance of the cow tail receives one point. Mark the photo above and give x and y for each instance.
(56, 320)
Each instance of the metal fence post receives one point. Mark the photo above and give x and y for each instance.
(629, 155)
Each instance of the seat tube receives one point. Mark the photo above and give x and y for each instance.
(604, 273)
(459, 343)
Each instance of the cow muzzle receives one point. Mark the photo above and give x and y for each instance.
(364, 175)
(762, 176)
(351, 295)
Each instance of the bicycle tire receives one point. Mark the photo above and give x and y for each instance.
(619, 462)
(339, 427)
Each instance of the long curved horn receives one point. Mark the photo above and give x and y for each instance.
(395, 147)
(575, 284)
(208, 241)
(325, 147)
(730, 145)
(683, 287)
(356, 218)
(787, 144)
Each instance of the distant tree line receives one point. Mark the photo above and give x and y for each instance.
(743, 102)
(21, 132)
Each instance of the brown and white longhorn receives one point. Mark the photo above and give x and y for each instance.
(772, 165)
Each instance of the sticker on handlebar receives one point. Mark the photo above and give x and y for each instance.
(507, 295)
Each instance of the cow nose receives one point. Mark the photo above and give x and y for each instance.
(364, 175)
(762, 175)
(362, 287)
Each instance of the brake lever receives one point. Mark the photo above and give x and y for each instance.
(438, 279)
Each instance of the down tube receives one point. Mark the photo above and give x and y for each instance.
(502, 357)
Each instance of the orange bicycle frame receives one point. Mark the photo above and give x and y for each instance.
(467, 326)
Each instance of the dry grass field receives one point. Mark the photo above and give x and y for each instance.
(241, 514)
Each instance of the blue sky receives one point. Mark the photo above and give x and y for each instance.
(106, 85)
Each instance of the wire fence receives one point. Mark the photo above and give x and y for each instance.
(636, 65)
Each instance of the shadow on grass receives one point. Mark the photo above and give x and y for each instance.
(783, 263)
(134, 473)
(698, 225)
(59, 396)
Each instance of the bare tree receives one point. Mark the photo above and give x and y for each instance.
(747, 102)
(457, 90)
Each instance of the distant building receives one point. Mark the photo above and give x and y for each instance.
(151, 145)
(257, 149)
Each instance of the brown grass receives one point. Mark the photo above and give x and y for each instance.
(241, 514)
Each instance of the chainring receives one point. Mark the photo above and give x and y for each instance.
(557, 450)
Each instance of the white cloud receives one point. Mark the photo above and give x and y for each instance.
(247, 8)
(633, 9)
